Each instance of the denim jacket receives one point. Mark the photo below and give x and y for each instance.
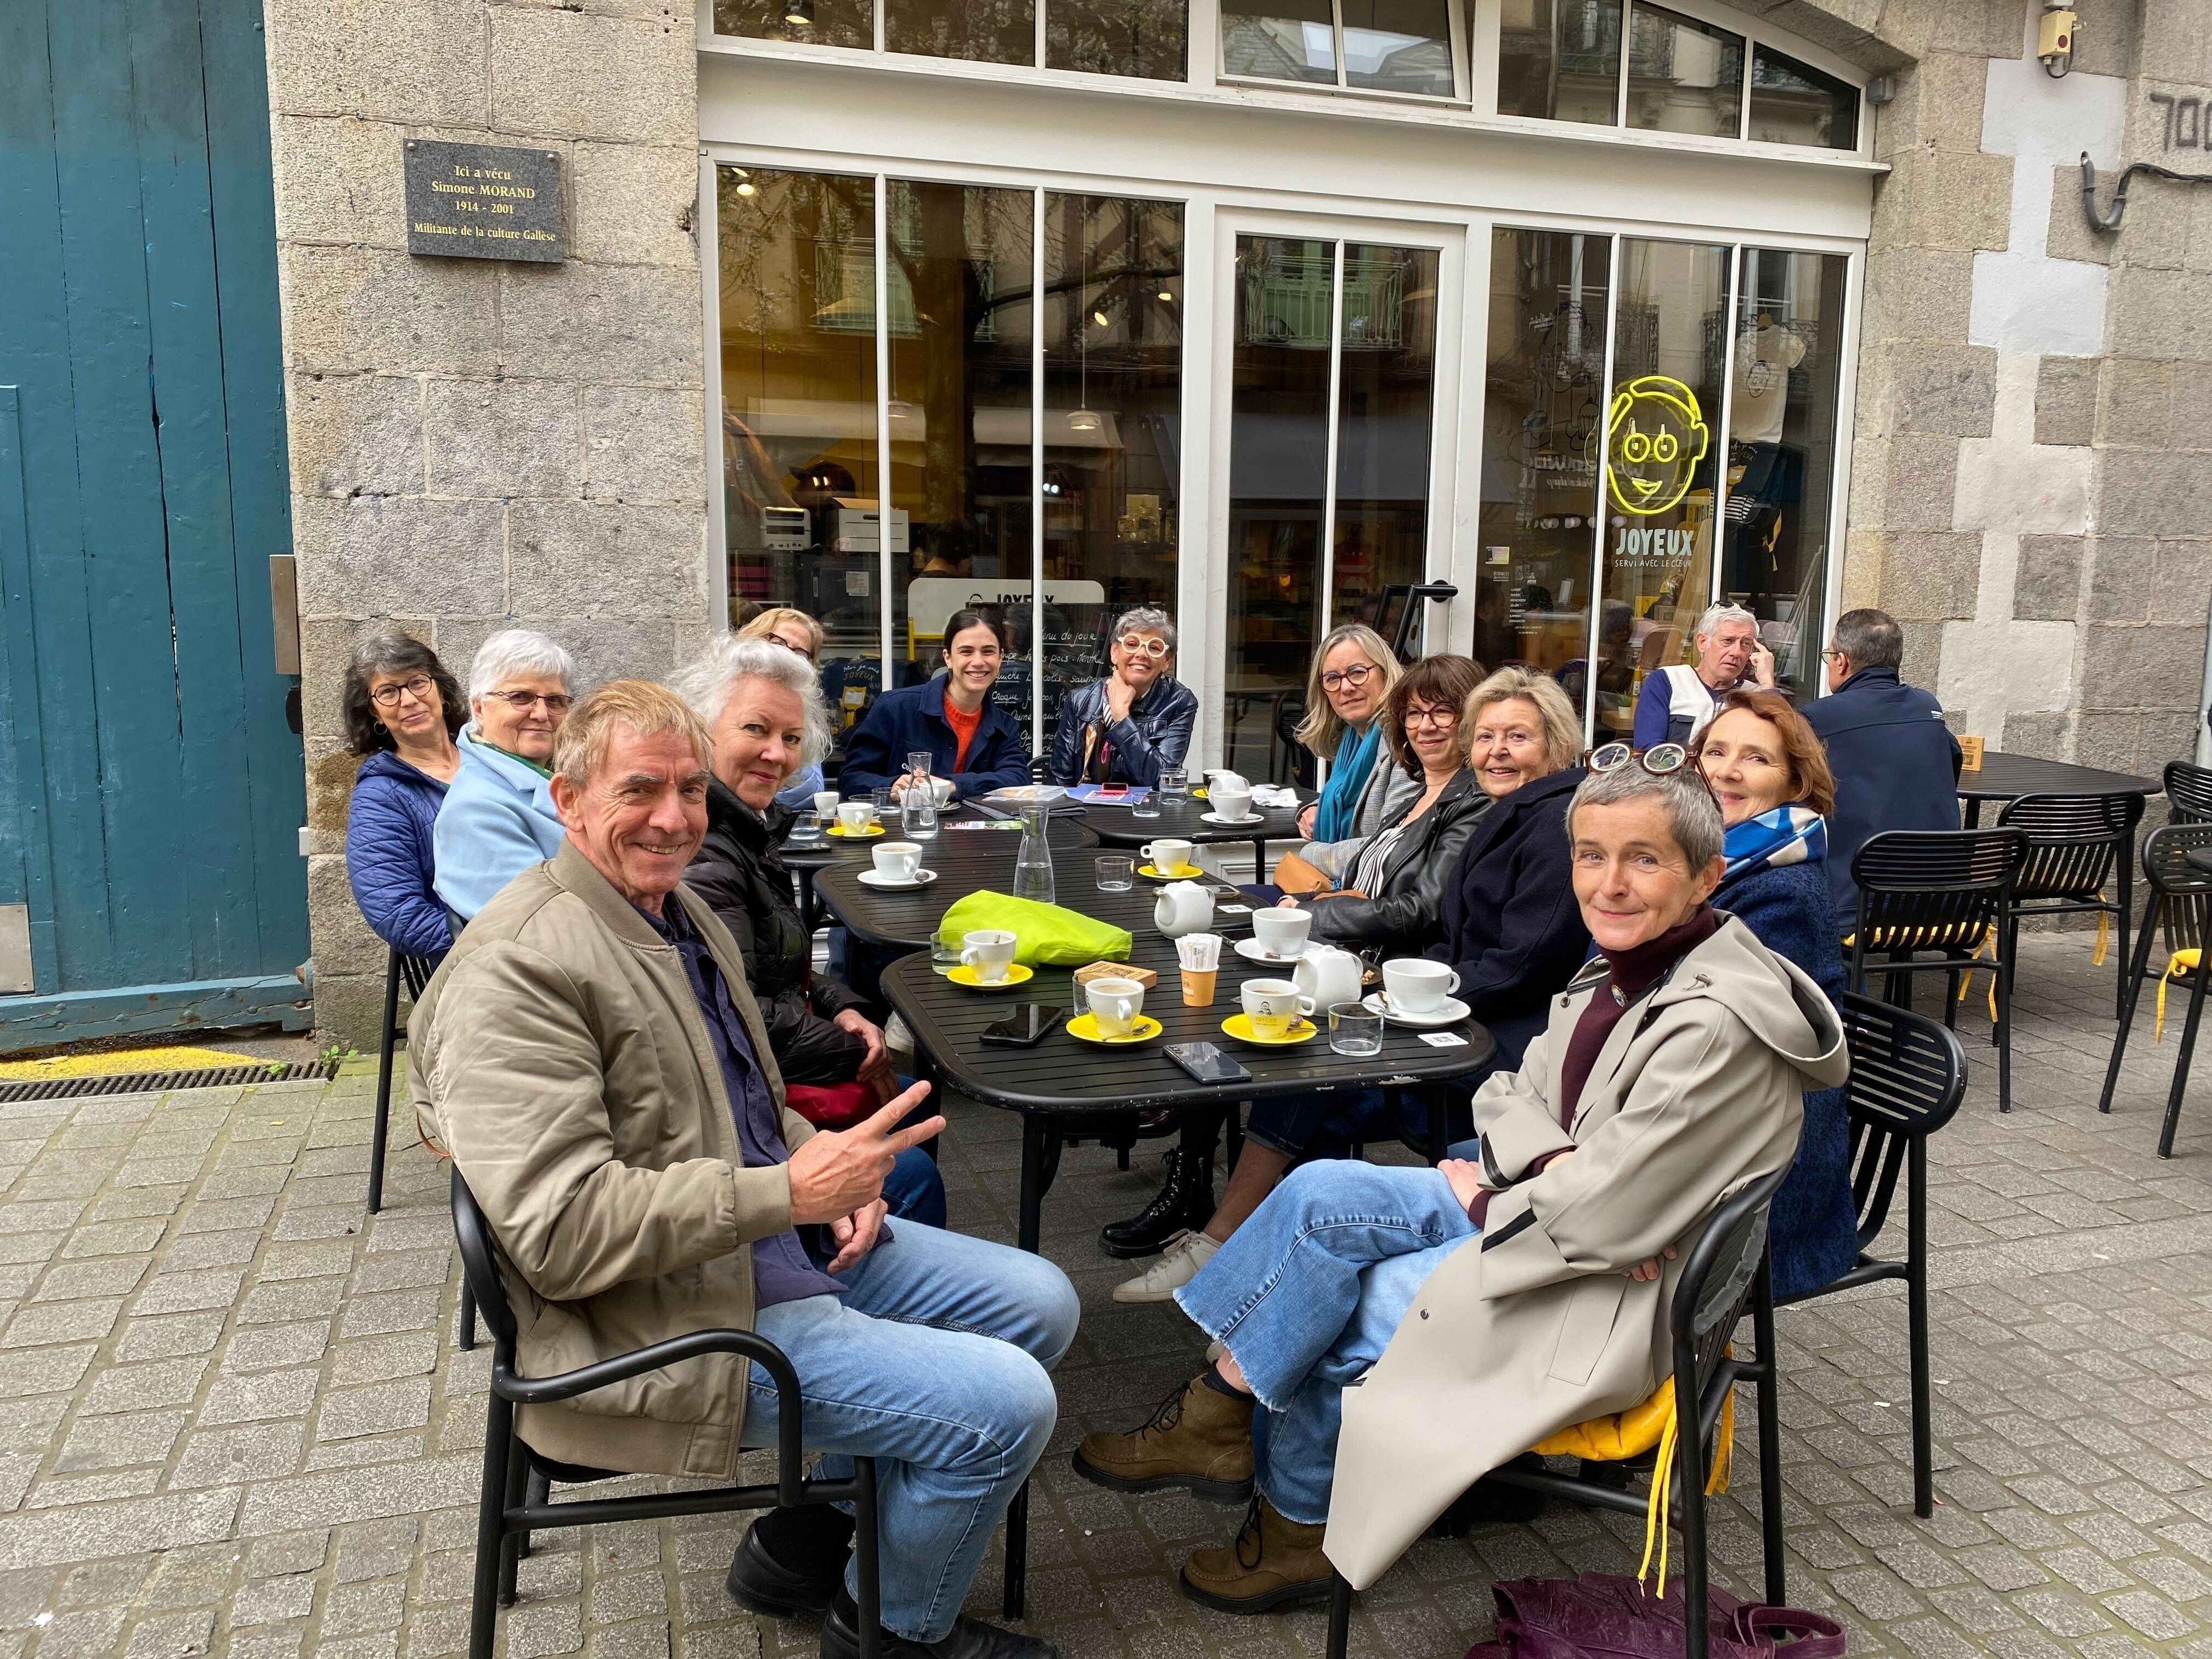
(1156, 733)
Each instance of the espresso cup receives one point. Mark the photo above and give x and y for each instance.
(898, 861)
(855, 815)
(989, 951)
(826, 802)
(1282, 932)
(1170, 858)
(1271, 1005)
(1418, 987)
(1115, 1005)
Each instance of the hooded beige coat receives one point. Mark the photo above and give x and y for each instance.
(560, 1056)
(1692, 1097)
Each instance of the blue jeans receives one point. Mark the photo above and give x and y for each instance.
(915, 1190)
(1307, 1294)
(934, 1362)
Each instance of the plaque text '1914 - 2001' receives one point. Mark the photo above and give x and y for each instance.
(483, 202)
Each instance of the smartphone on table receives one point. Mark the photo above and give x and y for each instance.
(1026, 1025)
(1206, 1062)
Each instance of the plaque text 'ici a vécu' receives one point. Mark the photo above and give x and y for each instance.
(483, 202)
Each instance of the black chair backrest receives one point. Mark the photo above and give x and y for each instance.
(414, 973)
(1908, 1076)
(2184, 892)
(1040, 768)
(480, 1264)
(1717, 1280)
(1936, 884)
(2071, 842)
(2189, 792)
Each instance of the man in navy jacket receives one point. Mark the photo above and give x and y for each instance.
(1896, 763)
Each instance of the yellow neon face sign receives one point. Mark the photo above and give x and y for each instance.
(1655, 436)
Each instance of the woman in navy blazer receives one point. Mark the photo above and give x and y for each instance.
(916, 717)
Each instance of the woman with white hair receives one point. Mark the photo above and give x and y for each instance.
(763, 707)
(497, 818)
(1129, 726)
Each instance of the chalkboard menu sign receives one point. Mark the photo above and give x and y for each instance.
(483, 202)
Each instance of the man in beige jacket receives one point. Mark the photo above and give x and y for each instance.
(590, 1054)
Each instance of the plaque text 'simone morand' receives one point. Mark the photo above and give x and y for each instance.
(483, 202)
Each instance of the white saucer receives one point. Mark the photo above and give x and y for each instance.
(1378, 1002)
(1252, 951)
(1232, 823)
(878, 878)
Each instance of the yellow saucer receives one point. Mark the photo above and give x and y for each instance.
(1188, 873)
(1016, 975)
(1239, 1026)
(1083, 1027)
(839, 829)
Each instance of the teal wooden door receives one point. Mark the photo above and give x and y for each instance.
(151, 787)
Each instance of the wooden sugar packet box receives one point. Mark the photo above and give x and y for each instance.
(1143, 976)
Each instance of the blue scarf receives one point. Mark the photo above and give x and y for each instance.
(1787, 835)
(1347, 778)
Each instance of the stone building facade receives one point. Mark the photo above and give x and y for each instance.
(477, 443)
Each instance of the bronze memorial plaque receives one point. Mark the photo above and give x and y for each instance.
(483, 202)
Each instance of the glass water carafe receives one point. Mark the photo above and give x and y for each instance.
(1033, 863)
(918, 807)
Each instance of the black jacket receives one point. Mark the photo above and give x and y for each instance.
(1155, 733)
(1407, 912)
(1896, 766)
(737, 870)
(1512, 926)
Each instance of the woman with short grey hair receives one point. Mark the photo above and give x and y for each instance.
(498, 818)
(1136, 722)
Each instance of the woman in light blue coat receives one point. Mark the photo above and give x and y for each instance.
(498, 818)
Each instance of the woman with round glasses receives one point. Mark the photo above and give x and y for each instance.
(498, 818)
(402, 709)
(1129, 726)
(1353, 674)
(796, 631)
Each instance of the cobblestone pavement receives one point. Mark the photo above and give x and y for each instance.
(238, 1424)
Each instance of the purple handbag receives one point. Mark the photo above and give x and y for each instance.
(1597, 1616)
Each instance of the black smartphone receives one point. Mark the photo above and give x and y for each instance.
(1025, 1026)
(1206, 1062)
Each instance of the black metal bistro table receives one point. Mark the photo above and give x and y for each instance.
(964, 860)
(2002, 777)
(1184, 820)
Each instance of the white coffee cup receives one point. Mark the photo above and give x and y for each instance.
(1170, 858)
(1282, 932)
(989, 951)
(1115, 1005)
(1231, 805)
(825, 803)
(898, 861)
(854, 817)
(1416, 986)
(1271, 1005)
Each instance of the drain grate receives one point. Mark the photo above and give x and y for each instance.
(137, 1083)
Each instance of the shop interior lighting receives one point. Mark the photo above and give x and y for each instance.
(800, 14)
(1082, 420)
(745, 185)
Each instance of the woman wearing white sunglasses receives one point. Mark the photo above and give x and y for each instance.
(1129, 726)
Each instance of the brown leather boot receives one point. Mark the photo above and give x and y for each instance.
(1272, 1562)
(1200, 1438)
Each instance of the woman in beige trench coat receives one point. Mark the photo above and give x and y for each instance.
(1416, 1328)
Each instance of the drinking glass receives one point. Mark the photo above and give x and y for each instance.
(1145, 804)
(1175, 786)
(885, 806)
(1353, 1030)
(1116, 873)
(807, 826)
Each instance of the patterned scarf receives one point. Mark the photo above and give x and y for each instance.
(1788, 835)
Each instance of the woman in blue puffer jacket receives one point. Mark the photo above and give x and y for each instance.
(401, 708)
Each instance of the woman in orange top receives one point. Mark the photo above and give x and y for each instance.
(971, 739)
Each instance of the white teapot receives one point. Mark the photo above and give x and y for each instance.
(1325, 977)
(1184, 907)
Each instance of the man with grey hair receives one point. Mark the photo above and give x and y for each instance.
(1896, 763)
(1130, 726)
(498, 818)
(1679, 701)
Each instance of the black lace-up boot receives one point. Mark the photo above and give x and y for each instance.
(1184, 1202)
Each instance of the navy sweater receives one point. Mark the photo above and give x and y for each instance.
(1896, 766)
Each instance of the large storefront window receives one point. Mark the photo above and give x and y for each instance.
(1313, 315)
(1142, 37)
(973, 514)
(1380, 45)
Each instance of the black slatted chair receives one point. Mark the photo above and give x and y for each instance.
(2189, 792)
(413, 972)
(1040, 768)
(1724, 1277)
(1908, 1076)
(1944, 892)
(2179, 905)
(516, 1499)
(2073, 843)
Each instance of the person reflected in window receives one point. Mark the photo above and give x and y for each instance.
(1678, 700)
(795, 631)
(1128, 726)
(1353, 673)
(401, 708)
(498, 818)
(972, 743)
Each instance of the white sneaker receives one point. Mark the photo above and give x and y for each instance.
(1185, 1254)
